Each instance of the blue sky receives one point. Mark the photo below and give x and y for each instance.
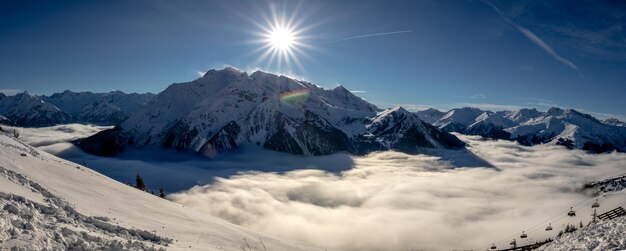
(497, 54)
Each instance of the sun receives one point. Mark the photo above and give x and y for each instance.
(281, 38)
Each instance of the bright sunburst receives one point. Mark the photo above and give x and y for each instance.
(282, 40)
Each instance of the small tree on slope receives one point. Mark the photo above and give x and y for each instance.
(139, 183)
(161, 193)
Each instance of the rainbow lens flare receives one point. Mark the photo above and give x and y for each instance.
(297, 97)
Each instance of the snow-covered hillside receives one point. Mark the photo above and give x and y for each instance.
(603, 235)
(227, 108)
(566, 127)
(50, 203)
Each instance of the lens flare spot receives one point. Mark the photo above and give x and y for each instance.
(296, 97)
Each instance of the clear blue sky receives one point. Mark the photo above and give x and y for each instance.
(444, 54)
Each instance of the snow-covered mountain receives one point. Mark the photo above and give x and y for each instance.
(572, 129)
(458, 119)
(47, 203)
(566, 127)
(30, 111)
(522, 115)
(99, 108)
(227, 108)
(69, 107)
(430, 115)
(614, 122)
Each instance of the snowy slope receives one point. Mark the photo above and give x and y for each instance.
(226, 108)
(608, 185)
(47, 202)
(494, 118)
(604, 235)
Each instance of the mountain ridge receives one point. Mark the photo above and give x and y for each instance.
(26, 110)
(227, 108)
(567, 127)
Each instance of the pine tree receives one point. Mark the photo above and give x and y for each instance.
(139, 183)
(161, 193)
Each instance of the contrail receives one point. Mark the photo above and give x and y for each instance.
(371, 35)
(533, 38)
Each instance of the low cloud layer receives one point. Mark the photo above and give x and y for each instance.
(383, 201)
(172, 170)
(394, 201)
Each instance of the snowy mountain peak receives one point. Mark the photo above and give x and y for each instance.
(555, 111)
(523, 114)
(226, 75)
(430, 115)
(459, 117)
(341, 89)
(397, 109)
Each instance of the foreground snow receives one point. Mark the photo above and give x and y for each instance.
(50, 203)
(604, 235)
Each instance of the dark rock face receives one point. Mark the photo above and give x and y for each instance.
(179, 135)
(488, 131)
(446, 139)
(531, 140)
(224, 140)
(453, 127)
(568, 143)
(106, 143)
(599, 148)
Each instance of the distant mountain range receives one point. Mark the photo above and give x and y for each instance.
(228, 108)
(566, 127)
(110, 108)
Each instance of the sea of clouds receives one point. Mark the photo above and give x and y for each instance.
(382, 201)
